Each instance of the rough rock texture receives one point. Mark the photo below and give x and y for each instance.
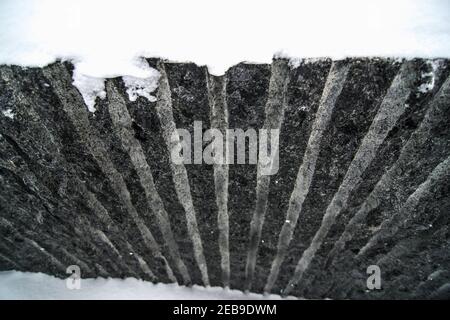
(363, 178)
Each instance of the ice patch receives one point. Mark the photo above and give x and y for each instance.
(90, 88)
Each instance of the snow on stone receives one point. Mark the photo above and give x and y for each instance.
(142, 86)
(295, 62)
(90, 88)
(140, 80)
(8, 113)
(17, 285)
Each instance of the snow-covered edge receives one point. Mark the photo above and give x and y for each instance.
(141, 85)
(144, 79)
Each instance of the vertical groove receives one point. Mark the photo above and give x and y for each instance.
(68, 257)
(8, 252)
(274, 111)
(387, 181)
(122, 124)
(181, 182)
(11, 262)
(143, 265)
(103, 215)
(49, 257)
(442, 292)
(84, 188)
(390, 226)
(80, 121)
(219, 120)
(392, 107)
(101, 270)
(99, 234)
(77, 261)
(27, 103)
(333, 87)
(400, 249)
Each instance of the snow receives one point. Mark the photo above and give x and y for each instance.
(90, 88)
(25, 285)
(141, 86)
(8, 113)
(103, 37)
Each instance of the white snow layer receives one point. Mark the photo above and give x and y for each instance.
(17, 285)
(141, 86)
(104, 36)
(90, 88)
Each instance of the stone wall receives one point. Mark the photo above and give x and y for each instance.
(363, 178)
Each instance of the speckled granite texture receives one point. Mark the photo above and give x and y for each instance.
(363, 179)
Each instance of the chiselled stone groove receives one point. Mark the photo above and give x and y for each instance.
(8, 254)
(364, 156)
(333, 87)
(9, 226)
(8, 248)
(32, 234)
(76, 260)
(103, 215)
(388, 180)
(164, 110)
(434, 281)
(106, 240)
(78, 186)
(99, 236)
(30, 175)
(122, 123)
(274, 111)
(392, 107)
(219, 120)
(402, 217)
(441, 292)
(78, 117)
(415, 165)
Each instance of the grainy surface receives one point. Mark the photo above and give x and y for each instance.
(99, 190)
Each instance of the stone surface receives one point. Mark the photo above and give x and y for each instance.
(363, 170)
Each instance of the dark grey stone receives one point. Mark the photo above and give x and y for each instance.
(99, 189)
(247, 88)
(303, 96)
(364, 88)
(188, 86)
